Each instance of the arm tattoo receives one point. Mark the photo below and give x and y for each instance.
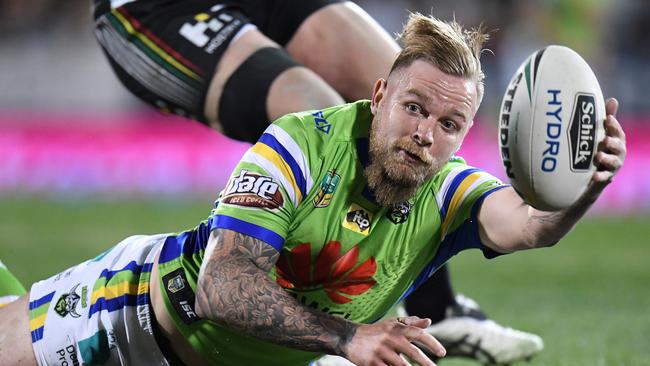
(235, 291)
(554, 224)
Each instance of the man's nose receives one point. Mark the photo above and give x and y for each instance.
(423, 134)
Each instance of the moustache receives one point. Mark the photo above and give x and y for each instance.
(414, 149)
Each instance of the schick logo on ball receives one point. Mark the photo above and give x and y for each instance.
(582, 132)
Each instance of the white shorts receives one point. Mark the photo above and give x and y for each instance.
(98, 312)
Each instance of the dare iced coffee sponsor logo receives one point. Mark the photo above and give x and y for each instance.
(253, 190)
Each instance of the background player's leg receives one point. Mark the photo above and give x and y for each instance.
(432, 298)
(193, 55)
(295, 88)
(15, 340)
(345, 46)
(10, 287)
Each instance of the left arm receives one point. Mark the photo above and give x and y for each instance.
(508, 224)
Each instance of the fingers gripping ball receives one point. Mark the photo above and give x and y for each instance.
(550, 124)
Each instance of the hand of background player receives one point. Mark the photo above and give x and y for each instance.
(383, 343)
(611, 152)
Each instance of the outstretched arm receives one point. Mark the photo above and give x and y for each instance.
(235, 291)
(508, 224)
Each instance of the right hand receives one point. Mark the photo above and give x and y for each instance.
(384, 342)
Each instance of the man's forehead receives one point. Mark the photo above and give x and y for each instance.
(428, 83)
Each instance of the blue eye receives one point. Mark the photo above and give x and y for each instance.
(449, 125)
(413, 108)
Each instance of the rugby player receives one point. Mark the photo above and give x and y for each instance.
(236, 65)
(316, 235)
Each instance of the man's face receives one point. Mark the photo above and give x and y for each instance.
(421, 116)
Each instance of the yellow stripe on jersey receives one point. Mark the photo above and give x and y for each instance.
(37, 322)
(119, 289)
(160, 52)
(457, 199)
(274, 158)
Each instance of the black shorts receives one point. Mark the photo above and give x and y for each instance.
(166, 51)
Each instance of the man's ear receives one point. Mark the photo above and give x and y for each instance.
(377, 95)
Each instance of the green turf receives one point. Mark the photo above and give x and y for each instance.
(589, 297)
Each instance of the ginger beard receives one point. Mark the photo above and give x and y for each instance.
(392, 178)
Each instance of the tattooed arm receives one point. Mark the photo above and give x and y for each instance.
(507, 224)
(235, 291)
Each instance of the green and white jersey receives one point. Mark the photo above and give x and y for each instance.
(302, 190)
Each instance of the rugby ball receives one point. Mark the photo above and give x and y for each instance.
(550, 124)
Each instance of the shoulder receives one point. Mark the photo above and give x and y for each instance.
(337, 122)
(312, 132)
(459, 178)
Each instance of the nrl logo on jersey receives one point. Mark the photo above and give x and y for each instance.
(176, 284)
(252, 190)
(327, 188)
(358, 219)
(67, 304)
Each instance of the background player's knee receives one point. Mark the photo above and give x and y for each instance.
(299, 89)
(266, 86)
(346, 47)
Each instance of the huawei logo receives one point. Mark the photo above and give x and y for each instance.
(338, 275)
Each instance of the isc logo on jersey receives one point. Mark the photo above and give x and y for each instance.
(253, 190)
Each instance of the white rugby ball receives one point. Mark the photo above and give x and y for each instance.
(550, 124)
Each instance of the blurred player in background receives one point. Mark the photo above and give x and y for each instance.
(10, 287)
(237, 65)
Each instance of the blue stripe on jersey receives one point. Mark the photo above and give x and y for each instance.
(117, 303)
(132, 266)
(43, 300)
(298, 175)
(458, 179)
(465, 237)
(188, 243)
(171, 250)
(258, 232)
(125, 299)
(37, 334)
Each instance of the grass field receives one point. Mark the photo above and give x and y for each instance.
(589, 297)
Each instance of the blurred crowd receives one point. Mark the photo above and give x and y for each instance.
(50, 61)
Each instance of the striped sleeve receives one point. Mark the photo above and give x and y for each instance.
(462, 187)
(267, 186)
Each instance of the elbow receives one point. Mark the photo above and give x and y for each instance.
(541, 243)
(201, 302)
(206, 303)
(547, 244)
(535, 239)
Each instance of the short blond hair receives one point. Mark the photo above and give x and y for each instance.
(452, 49)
